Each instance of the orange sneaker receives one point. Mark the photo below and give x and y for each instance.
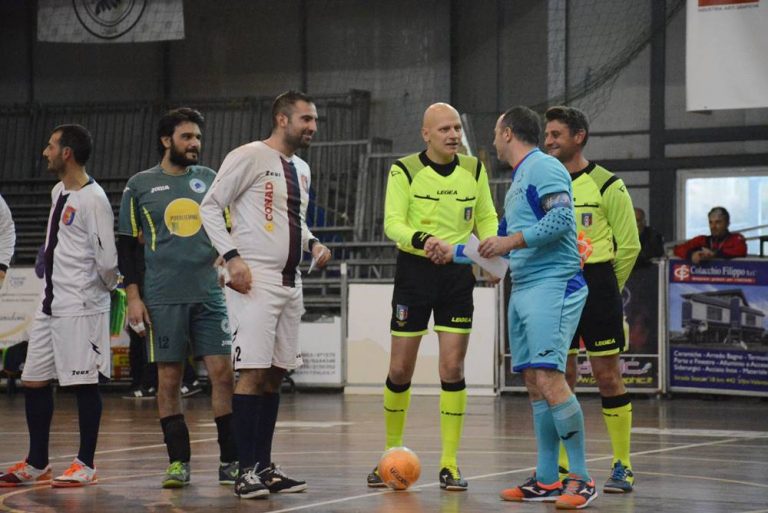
(24, 474)
(78, 474)
(577, 493)
(533, 491)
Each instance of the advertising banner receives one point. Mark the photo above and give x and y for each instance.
(726, 44)
(717, 327)
(109, 21)
(321, 353)
(640, 364)
(369, 344)
(19, 299)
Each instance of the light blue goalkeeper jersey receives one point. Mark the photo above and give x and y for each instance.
(552, 253)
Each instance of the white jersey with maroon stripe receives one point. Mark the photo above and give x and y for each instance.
(267, 194)
(80, 254)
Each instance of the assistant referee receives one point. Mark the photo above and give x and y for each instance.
(605, 214)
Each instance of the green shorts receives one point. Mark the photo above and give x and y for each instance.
(197, 329)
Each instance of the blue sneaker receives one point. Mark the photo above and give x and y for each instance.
(622, 479)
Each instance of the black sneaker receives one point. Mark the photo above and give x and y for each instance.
(450, 479)
(141, 393)
(374, 479)
(192, 389)
(249, 486)
(278, 482)
(228, 472)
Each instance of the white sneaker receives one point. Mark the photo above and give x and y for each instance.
(78, 474)
(24, 474)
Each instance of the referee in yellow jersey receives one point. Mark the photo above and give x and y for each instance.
(434, 198)
(605, 214)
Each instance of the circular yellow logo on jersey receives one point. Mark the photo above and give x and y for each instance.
(182, 217)
(269, 227)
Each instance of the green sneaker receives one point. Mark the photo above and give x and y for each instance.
(177, 475)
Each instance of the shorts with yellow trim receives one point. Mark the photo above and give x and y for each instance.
(601, 328)
(181, 330)
(423, 289)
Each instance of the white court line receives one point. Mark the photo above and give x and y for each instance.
(26, 489)
(282, 424)
(703, 478)
(105, 433)
(496, 474)
(428, 485)
(698, 432)
(111, 451)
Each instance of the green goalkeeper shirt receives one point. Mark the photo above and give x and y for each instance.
(178, 253)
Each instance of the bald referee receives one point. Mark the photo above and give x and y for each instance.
(433, 197)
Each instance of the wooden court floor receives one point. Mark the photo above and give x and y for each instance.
(689, 454)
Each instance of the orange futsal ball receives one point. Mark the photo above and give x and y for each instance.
(399, 468)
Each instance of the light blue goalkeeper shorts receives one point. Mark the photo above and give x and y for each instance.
(542, 320)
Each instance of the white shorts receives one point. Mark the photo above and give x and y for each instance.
(73, 349)
(265, 326)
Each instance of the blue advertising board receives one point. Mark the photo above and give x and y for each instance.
(718, 326)
(641, 363)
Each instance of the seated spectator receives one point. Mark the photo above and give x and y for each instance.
(651, 241)
(719, 244)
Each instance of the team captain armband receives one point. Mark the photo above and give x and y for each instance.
(557, 221)
(554, 200)
(419, 239)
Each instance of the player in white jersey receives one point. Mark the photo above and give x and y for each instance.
(7, 239)
(266, 187)
(69, 339)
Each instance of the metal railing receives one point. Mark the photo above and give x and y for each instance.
(124, 133)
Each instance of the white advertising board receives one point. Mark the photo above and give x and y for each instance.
(320, 344)
(19, 298)
(368, 344)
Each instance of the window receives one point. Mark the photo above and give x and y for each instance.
(714, 313)
(744, 192)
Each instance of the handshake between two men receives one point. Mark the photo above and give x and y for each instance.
(441, 252)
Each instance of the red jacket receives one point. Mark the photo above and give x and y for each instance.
(732, 245)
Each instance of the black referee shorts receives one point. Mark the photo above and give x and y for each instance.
(422, 288)
(602, 320)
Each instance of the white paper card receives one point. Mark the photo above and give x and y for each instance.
(497, 266)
